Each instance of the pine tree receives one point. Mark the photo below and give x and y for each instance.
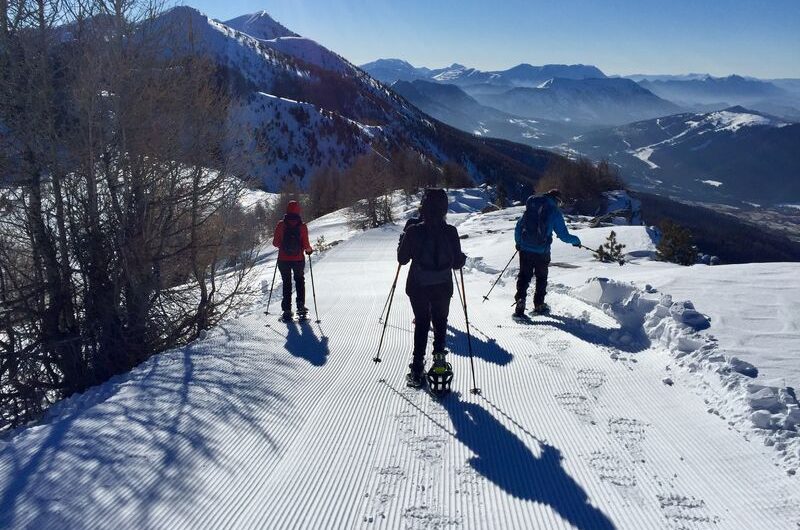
(676, 244)
(611, 250)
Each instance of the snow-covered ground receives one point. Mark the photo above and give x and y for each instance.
(618, 411)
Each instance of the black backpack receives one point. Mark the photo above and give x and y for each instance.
(291, 244)
(536, 228)
(435, 257)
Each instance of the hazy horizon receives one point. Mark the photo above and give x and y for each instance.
(621, 37)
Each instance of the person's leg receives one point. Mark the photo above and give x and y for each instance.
(285, 268)
(440, 307)
(523, 282)
(422, 323)
(299, 268)
(541, 266)
(525, 275)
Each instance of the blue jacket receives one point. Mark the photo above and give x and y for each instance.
(555, 224)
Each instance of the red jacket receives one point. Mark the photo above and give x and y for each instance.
(277, 239)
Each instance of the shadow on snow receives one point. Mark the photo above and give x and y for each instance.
(303, 342)
(139, 440)
(503, 458)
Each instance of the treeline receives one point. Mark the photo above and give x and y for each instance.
(116, 242)
(581, 182)
(367, 183)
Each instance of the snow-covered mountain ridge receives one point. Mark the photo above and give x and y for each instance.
(617, 411)
(728, 154)
(283, 139)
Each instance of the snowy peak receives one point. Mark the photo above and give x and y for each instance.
(261, 26)
(733, 119)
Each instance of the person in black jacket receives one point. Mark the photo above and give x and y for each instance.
(434, 250)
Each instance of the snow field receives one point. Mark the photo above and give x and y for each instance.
(263, 424)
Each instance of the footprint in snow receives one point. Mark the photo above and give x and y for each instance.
(685, 512)
(591, 378)
(630, 432)
(577, 404)
(427, 517)
(387, 484)
(612, 469)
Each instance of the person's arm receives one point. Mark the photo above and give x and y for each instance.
(560, 228)
(459, 258)
(304, 239)
(277, 238)
(404, 247)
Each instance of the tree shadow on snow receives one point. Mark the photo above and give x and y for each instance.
(302, 341)
(140, 441)
(486, 349)
(504, 459)
(594, 334)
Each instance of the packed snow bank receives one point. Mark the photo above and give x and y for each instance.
(769, 411)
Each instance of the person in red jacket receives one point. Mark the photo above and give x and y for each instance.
(291, 238)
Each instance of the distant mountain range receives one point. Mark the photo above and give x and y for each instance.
(734, 154)
(578, 94)
(450, 104)
(525, 75)
(592, 101)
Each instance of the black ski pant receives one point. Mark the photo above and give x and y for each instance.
(430, 304)
(287, 270)
(532, 264)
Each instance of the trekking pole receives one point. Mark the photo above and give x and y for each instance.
(269, 301)
(313, 291)
(475, 389)
(500, 276)
(621, 261)
(380, 319)
(377, 357)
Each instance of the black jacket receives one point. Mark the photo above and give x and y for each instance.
(433, 250)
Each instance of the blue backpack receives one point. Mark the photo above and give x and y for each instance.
(536, 229)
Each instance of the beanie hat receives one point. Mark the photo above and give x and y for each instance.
(434, 204)
(293, 207)
(556, 195)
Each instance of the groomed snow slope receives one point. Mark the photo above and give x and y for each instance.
(269, 425)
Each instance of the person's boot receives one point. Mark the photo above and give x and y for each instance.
(302, 313)
(541, 309)
(415, 378)
(286, 315)
(519, 309)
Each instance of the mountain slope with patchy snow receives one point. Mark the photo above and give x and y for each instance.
(262, 424)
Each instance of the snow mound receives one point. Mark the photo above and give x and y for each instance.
(771, 412)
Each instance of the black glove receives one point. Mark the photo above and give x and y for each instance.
(309, 251)
(517, 247)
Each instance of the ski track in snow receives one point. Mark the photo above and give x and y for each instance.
(270, 425)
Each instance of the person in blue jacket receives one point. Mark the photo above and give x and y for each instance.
(533, 236)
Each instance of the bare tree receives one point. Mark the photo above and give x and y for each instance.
(118, 238)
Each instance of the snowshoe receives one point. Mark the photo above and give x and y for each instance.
(440, 374)
(414, 380)
(286, 316)
(542, 309)
(302, 314)
(522, 319)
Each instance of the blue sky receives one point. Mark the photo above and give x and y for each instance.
(755, 37)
